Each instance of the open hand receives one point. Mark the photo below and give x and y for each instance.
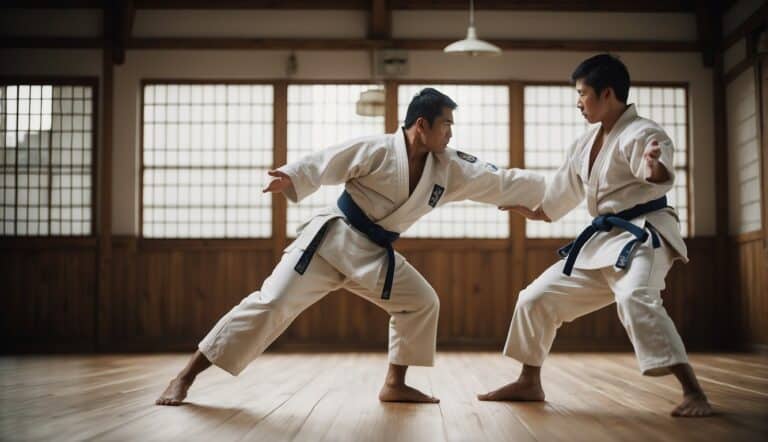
(535, 215)
(279, 182)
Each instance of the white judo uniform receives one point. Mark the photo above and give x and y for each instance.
(617, 182)
(375, 172)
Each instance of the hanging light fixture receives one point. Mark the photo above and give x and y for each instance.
(472, 45)
(371, 103)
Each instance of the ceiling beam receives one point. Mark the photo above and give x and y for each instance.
(347, 44)
(413, 44)
(456, 5)
(380, 24)
(707, 32)
(118, 22)
(512, 5)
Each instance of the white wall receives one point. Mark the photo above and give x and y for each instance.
(424, 65)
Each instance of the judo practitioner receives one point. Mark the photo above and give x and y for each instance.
(391, 181)
(624, 168)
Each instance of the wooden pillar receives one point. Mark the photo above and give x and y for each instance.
(280, 137)
(516, 159)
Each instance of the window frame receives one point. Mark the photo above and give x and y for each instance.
(140, 141)
(279, 237)
(74, 81)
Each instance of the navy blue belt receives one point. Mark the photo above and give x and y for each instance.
(377, 234)
(605, 223)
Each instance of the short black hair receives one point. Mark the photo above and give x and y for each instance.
(604, 71)
(428, 104)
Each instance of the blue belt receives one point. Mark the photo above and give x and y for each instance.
(371, 230)
(605, 223)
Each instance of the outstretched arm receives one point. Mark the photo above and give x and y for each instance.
(476, 180)
(334, 165)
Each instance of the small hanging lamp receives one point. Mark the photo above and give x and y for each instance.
(472, 45)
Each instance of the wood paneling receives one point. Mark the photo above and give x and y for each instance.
(751, 288)
(168, 298)
(175, 296)
(48, 298)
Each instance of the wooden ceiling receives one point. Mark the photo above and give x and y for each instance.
(509, 5)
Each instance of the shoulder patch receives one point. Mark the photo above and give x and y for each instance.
(466, 157)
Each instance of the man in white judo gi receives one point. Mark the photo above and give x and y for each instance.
(624, 168)
(391, 181)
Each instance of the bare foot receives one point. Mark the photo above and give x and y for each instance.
(404, 393)
(175, 393)
(516, 391)
(693, 405)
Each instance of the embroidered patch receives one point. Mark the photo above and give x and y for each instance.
(466, 156)
(491, 167)
(437, 192)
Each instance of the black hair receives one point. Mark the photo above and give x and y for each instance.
(604, 71)
(428, 104)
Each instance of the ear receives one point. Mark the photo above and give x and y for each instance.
(422, 123)
(607, 93)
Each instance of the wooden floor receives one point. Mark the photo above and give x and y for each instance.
(332, 396)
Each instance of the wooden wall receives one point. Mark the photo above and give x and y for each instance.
(167, 294)
(750, 279)
(48, 295)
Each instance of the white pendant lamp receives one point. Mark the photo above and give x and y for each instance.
(472, 45)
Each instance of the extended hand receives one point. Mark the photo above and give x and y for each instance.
(535, 215)
(655, 172)
(279, 182)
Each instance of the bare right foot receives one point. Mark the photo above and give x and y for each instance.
(515, 392)
(175, 393)
(693, 405)
(404, 393)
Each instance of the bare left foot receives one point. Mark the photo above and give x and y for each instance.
(175, 393)
(693, 405)
(404, 393)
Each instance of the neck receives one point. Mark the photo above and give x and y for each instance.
(613, 116)
(416, 149)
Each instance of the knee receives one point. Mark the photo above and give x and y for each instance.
(263, 302)
(433, 301)
(530, 299)
(429, 301)
(638, 296)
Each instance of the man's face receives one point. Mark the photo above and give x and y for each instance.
(591, 106)
(436, 136)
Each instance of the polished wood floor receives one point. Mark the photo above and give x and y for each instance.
(332, 397)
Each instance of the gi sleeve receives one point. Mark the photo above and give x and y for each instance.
(565, 189)
(476, 180)
(334, 165)
(636, 147)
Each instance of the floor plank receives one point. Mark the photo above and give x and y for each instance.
(333, 397)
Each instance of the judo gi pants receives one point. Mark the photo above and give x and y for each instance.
(251, 326)
(554, 298)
